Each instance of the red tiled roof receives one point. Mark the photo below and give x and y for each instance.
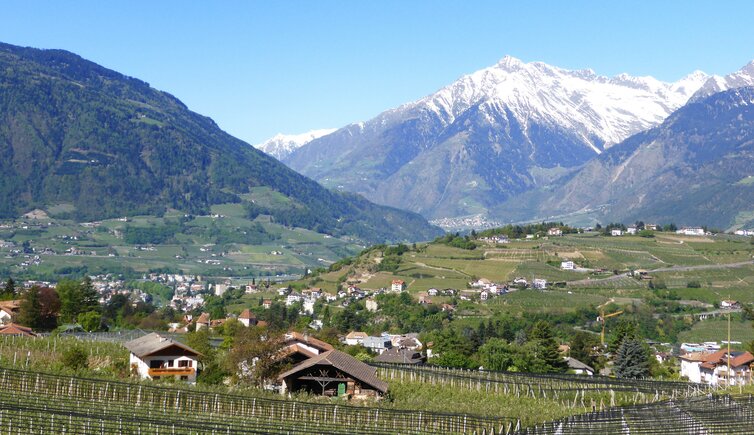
(307, 339)
(14, 329)
(247, 314)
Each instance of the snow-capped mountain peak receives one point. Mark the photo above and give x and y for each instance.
(281, 145)
(606, 109)
(714, 84)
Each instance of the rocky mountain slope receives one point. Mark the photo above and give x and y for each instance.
(490, 135)
(696, 168)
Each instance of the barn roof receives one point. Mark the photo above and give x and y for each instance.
(345, 363)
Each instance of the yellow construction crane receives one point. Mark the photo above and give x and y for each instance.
(602, 319)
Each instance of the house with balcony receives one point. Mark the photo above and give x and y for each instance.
(712, 367)
(155, 357)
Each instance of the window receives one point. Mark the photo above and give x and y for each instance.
(155, 364)
(170, 363)
(184, 363)
(184, 378)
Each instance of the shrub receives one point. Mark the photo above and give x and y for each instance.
(75, 358)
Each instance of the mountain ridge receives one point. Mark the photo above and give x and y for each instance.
(108, 145)
(488, 136)
(691, 170)
(282, 145)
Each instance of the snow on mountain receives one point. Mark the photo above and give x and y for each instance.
(491, 134)
(281, 145)
(738, 79)
(610, 109)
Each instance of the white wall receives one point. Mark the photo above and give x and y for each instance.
(142, 365)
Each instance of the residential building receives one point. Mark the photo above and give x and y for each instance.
(355, 338)
(579, 367)
(8, 311)
(712, 367)
(567, 265)
(539, 283)
(202, 322)
(247, 318)
(153, 356)
(401, 356)
(616, 232)
(18, 330)
(555, 232)
(398, 285)
(334, 373)
(632, 230)
(377, 344)
(691, 231)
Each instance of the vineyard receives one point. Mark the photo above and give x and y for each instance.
(46, 403)
(712, 414)
(539, 385)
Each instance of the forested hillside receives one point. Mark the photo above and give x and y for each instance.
(85, 142)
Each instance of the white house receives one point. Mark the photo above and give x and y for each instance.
(247, 318)
(484, 295)
(308, 306)
(293, 298)
(745, 232)
(691, 231)
(616, 232)
(579, 367)
(539, 283)
(154, 357)
(567, 265)
(8, 310)
(632, 230)
(729, 305)
(712, 367)
(432, 292)
(555, 232)
(355, 338)
(398, 285)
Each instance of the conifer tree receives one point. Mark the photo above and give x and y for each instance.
(30, 311)
(547, 351)
(9, 291)
(632, 361)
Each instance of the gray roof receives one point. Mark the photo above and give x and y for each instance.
(345, 363)
(154, 342)
(575, 364)
(377, 342)
(400, 356)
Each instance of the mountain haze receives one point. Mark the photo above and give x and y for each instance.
(88, 143)
(492, 134)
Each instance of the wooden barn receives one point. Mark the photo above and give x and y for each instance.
(334, 373)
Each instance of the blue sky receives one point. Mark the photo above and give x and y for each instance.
(259, 68)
